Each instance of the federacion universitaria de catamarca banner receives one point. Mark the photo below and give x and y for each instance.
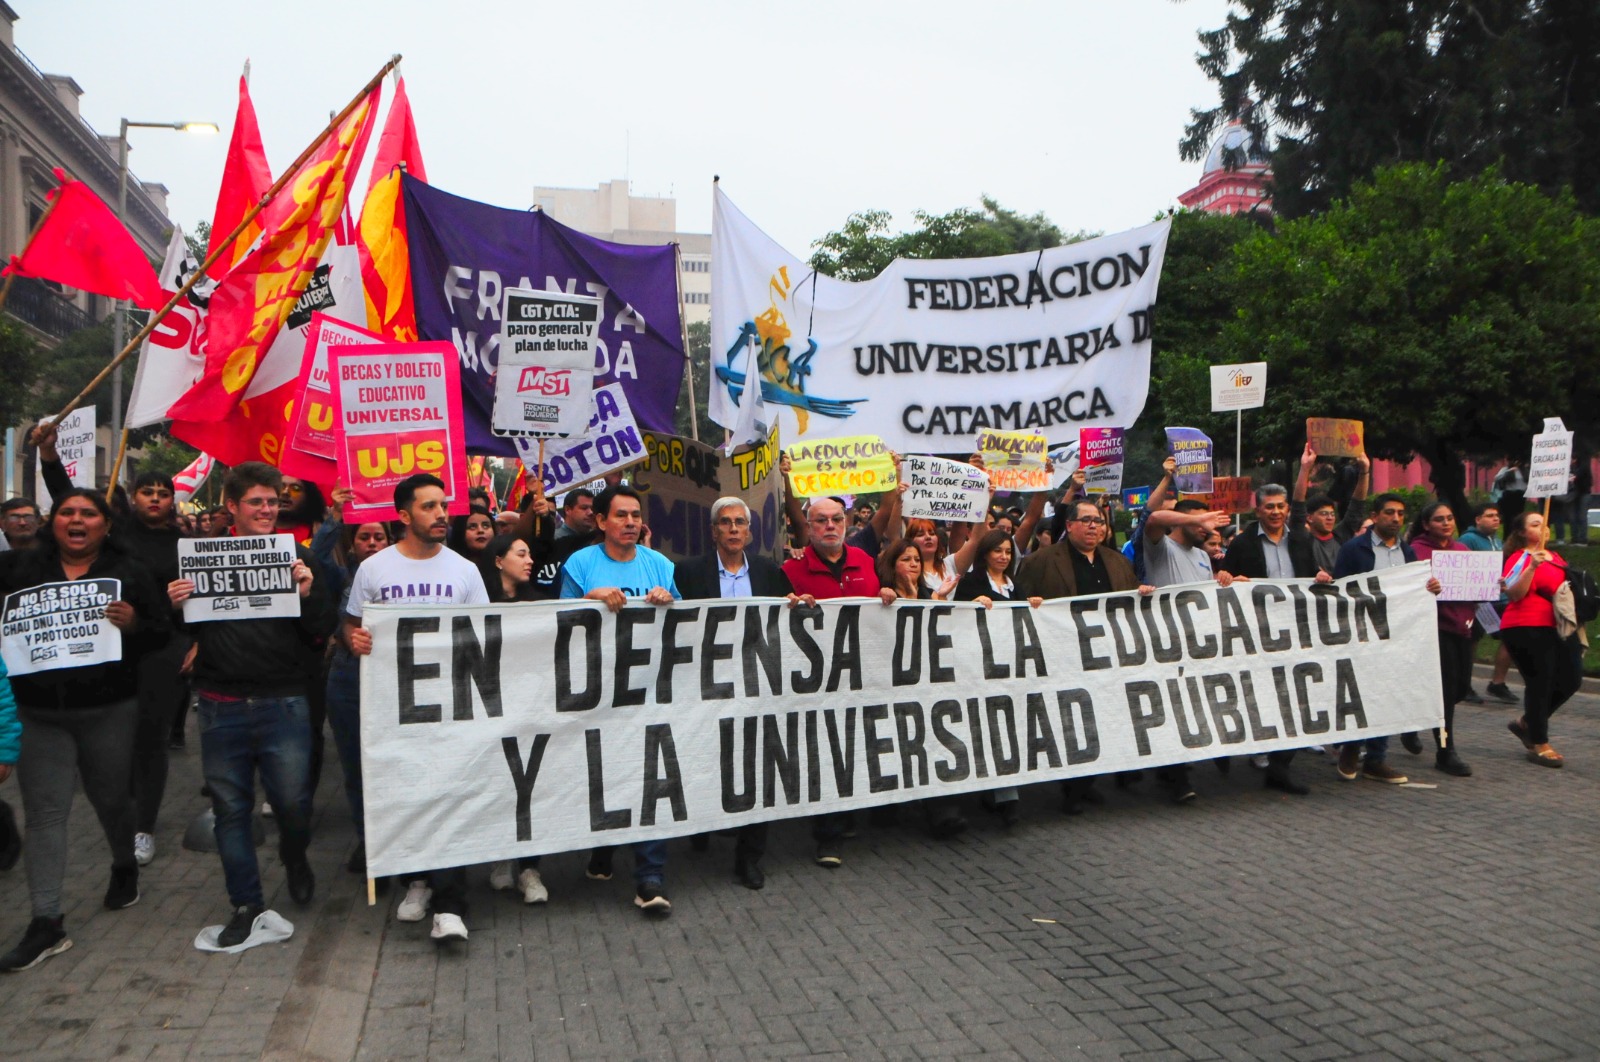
(930, 352)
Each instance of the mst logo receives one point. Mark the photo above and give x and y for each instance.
(42, 652)
(547, 382)
(225, 604)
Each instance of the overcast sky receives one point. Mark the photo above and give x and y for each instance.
(809, 112)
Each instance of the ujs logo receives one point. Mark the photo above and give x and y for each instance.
(546, 382)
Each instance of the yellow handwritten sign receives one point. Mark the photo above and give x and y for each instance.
(856, 464)
(1014, 459)
(1332, 437)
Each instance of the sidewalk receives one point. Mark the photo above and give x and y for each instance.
(1364, 920)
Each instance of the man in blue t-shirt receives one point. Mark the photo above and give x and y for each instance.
(611, 571)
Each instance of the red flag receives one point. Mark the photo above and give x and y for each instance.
(83, 245)
(245, 179)
(518, 488)
(251, 303)
(385, 259)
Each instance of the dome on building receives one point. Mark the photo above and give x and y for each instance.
(1234, 139)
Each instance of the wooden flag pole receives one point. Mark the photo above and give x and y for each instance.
(116, 466)
(227, 242)
(48, 210)
(683, 332)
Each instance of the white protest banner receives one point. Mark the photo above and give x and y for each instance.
(57, 625)
(312, 427)
(1015, 460)
(243, 577)
(937, 489)
(1100, 451)
(397, 408)
(1238, 386)
(171, 360)
(611, 442)
(856, 464)
(1551, 463)
(75, 445)
(682, 478)
(489, 732)
(546, 371)
(931, 352)
(1467, 575)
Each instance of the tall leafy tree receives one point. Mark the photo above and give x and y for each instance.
(1451, 317)
(1336, 88)
(865, 244)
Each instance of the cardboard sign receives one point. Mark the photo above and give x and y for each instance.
(243, 577)
(613, 441)
(1014, 459)
(1232, 494)
(397, 407)
(1467, 576)
(58, 625)
(1191, 448)
(76, 447)
(681, 479)
(311, 430)
(1100, 456)
(1551, 461)
(938, 489)
(855, 464)
(1333, 437)
(1238, 386)
(546, 372)
(1135, 497)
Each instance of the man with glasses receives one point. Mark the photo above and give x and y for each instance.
(731, 571)
(250, 683)
(1080, 565)
(1375, 551)
(826, 569)
(19, 518)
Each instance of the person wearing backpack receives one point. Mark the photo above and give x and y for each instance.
(1534, 629)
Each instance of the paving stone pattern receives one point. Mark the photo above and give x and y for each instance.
(1364, 920)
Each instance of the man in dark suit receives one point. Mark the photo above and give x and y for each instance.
(1078, 565)
(730, 571)
(1271, 549)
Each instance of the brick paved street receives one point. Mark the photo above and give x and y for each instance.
(1364, 920)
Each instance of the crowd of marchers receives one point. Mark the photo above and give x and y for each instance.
(263, 692)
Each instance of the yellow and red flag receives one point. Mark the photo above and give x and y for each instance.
(254, 299)
(245, 179)
(518, 488)
(385, 255)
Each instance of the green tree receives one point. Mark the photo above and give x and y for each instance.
(700, 364)
(162, 453)
(1333, 89)
(20, 365)
(865, 245)
(76, 361)
(1450, 317)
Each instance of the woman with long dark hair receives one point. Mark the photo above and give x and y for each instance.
(80, 721)
(470, 534)
(1434, 531)
(1549, 662)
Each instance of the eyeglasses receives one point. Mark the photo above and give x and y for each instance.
(732, 521)
(1092, 521)
(828, 519)
(23, 518)
(260, 503)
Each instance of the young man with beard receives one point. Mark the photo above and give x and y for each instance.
(612, 571)
(250, 678)
(1320, 515)
(418, 570)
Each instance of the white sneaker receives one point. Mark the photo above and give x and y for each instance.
(144, 849)
(1259, 762)
(448, 927)
(266, 809)
(500, 876)
(532, 886)
(415, 906)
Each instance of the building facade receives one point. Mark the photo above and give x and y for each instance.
(613, 213)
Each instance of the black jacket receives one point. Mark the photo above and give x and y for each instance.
(1246, 556)
(266, 657)
(94, 685)
(698, 579)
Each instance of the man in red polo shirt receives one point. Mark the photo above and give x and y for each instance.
(829, 569)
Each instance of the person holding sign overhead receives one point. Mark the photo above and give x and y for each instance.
(76, 720)
(250, 679)
(610, 572)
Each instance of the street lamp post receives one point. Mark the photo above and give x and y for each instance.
(119, 321)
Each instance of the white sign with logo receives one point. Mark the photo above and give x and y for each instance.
(1238, 386)
(239, 577)
(58, 625)
(545, 379)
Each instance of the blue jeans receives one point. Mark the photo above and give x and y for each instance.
(344, 716)
(272, 736)
(1377, 749)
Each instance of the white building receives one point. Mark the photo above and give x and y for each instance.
(612, 213)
